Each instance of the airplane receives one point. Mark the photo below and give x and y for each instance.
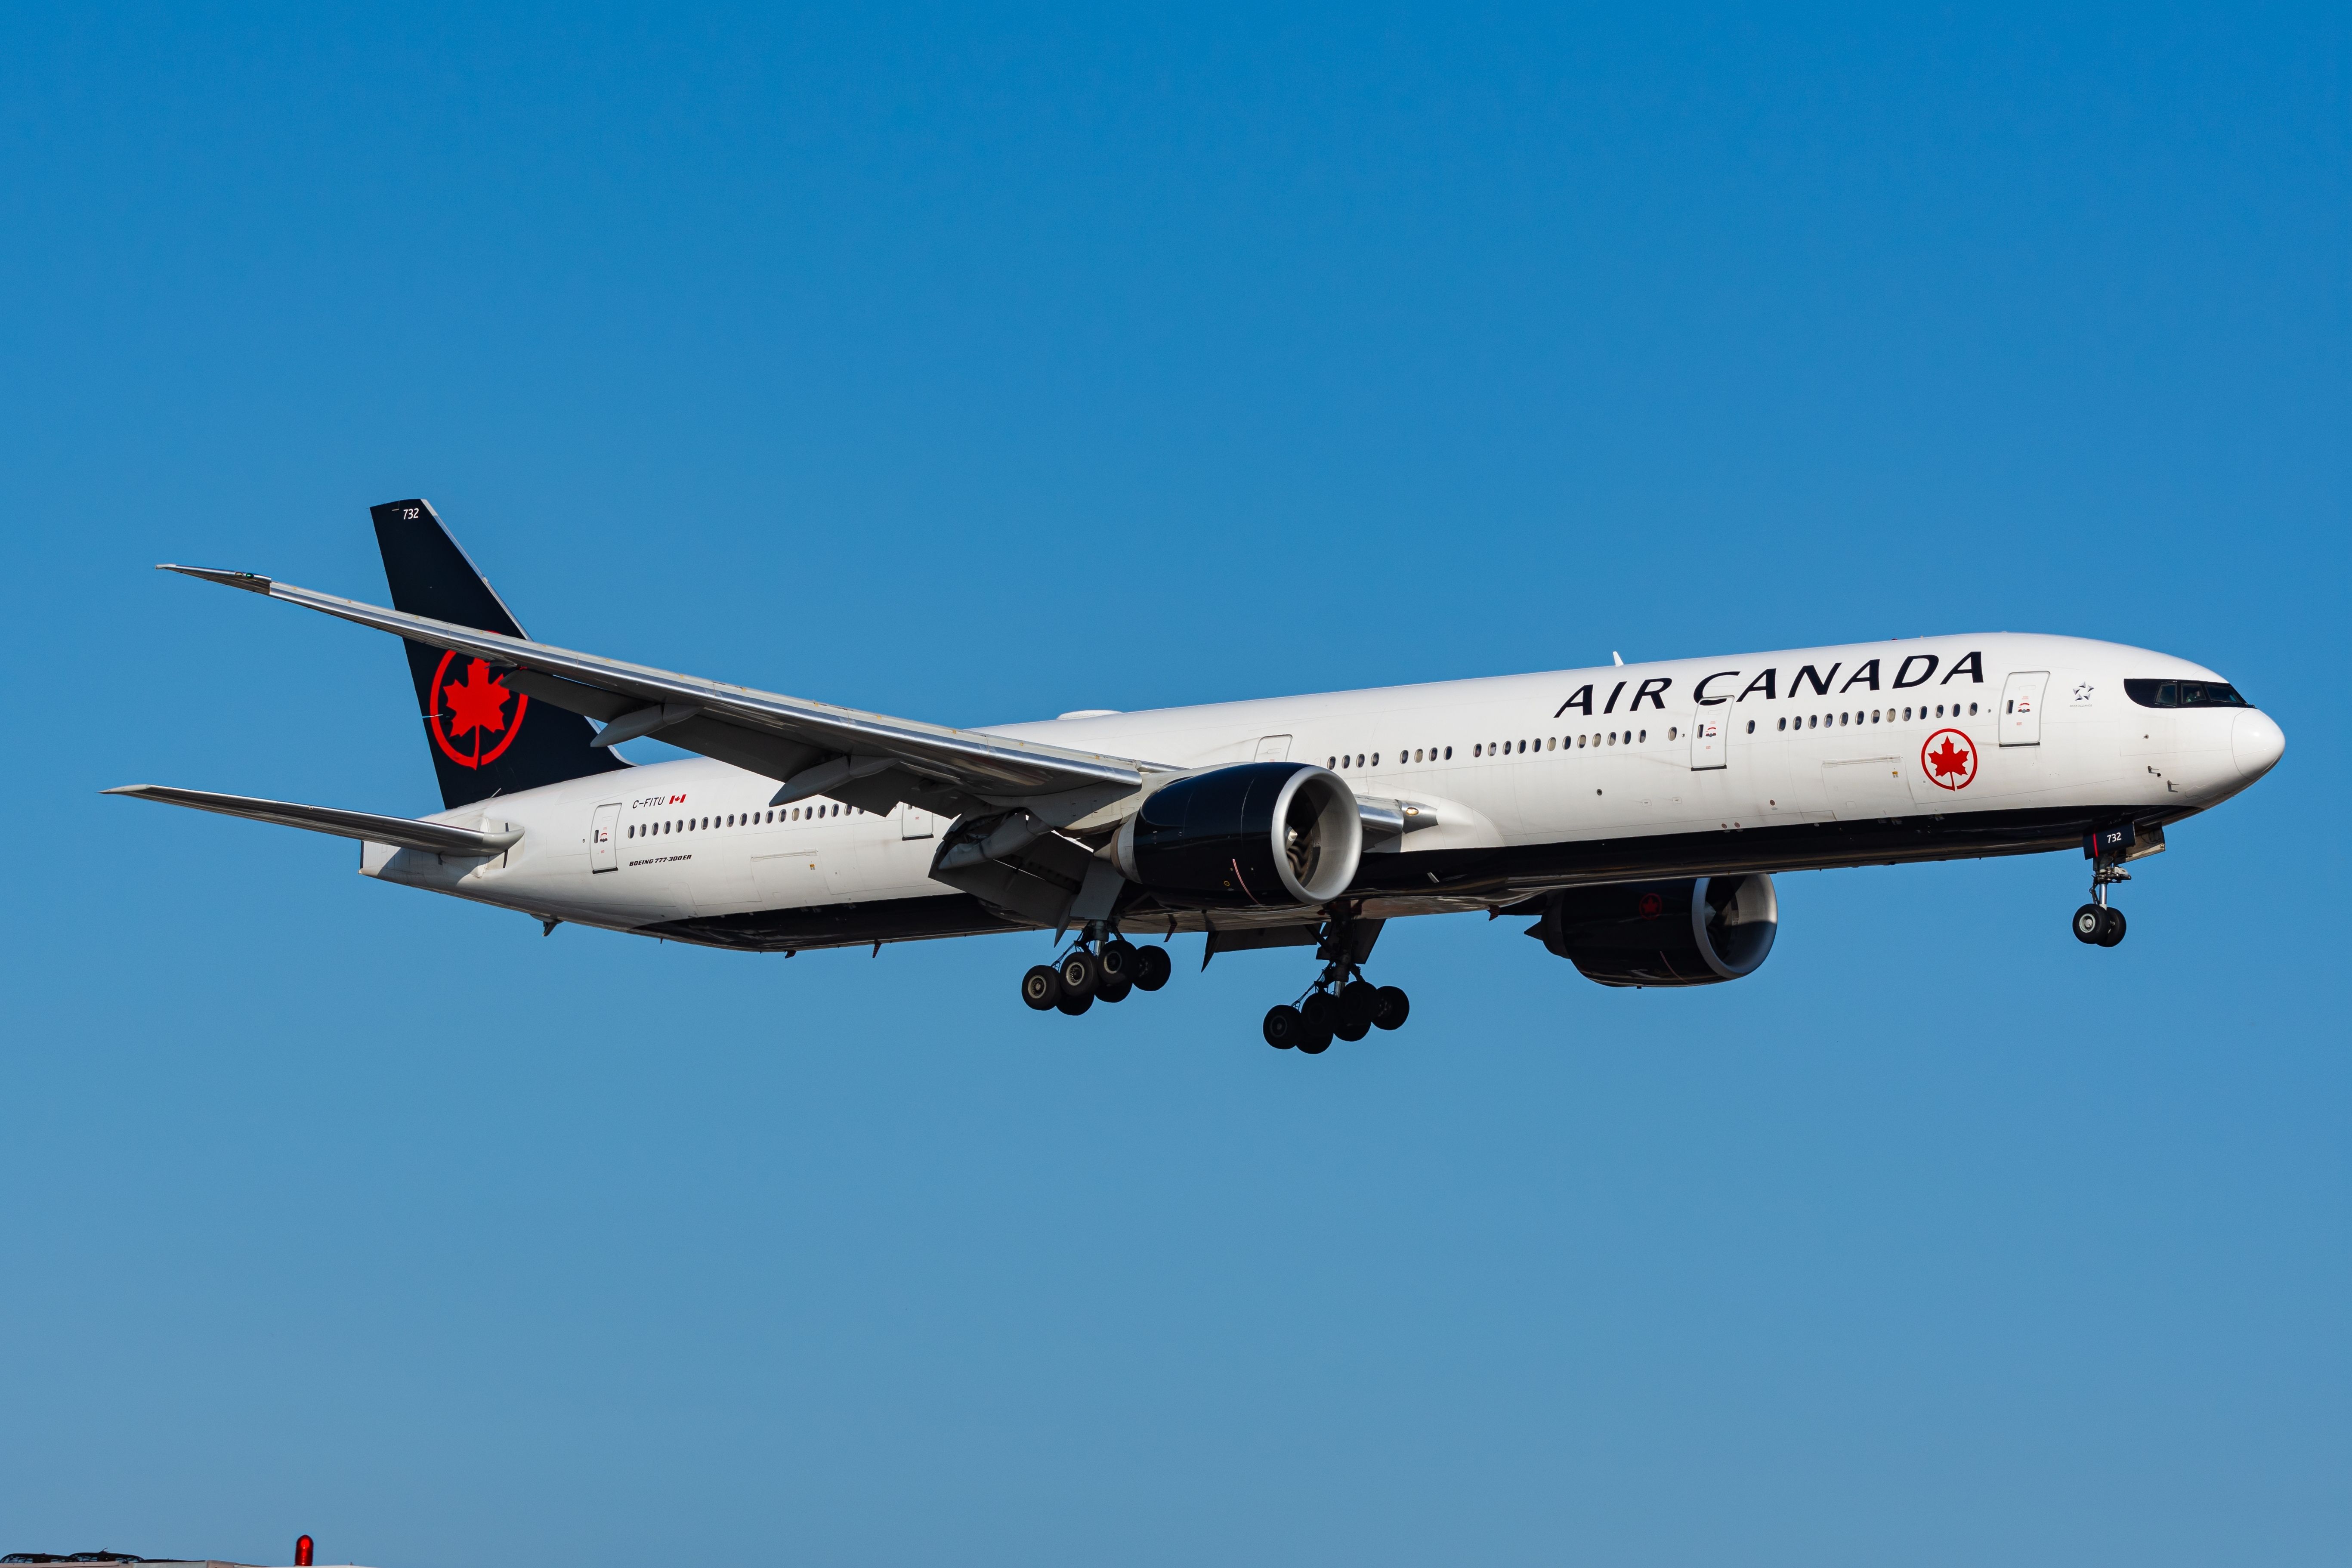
(1637, 813)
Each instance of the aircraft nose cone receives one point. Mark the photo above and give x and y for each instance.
(2256, 743)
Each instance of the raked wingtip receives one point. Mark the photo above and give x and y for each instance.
(251, 582)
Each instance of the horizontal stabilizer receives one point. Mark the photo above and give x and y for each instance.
(434, 837)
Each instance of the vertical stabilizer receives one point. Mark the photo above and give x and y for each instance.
(486, 739)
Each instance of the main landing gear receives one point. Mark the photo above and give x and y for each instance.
(2099, 923)
(1095, 970)
(1341, 1004)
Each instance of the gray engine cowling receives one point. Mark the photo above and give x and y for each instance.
(1254, 835)
(1694, 931)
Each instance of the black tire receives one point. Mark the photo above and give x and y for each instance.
(2114, 931)
(1395, 1008)
(1074, 1005)
(1113, 992)
(1119, 960)
(1153, 968)
(1317, 1015)
(2090, 923)
(1081, 973)
(1352, 1029)
(1283, 1027)
(1041, 987)
(1359, 1004)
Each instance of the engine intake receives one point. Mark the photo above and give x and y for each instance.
(1696, 932)
(1254, 835)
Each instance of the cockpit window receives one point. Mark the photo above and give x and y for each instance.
(2184, 694)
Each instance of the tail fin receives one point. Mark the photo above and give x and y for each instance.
(486, 739)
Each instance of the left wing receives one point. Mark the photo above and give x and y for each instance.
(870, 760)
(434, 837)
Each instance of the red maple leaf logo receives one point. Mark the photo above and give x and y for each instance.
(479, 704)
(1950, 760)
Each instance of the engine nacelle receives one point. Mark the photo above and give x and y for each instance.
(1254, 835)
(1696, 931)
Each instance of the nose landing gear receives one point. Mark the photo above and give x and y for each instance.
(2099, 923)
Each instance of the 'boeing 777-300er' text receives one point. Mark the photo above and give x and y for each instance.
(1636, 814)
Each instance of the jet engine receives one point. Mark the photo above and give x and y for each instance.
(1694, 931)
(1253, 834)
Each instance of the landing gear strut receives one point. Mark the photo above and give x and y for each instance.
(1341, 1004)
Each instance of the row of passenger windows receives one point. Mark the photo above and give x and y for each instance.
(741, 819)
(1627, 737)
(1857, 716)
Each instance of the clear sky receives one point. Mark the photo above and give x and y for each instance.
(979, 365)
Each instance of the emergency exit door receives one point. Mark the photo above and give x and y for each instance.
(1708, 737)
(2021, 708)
(1274, 749)
(604, 855)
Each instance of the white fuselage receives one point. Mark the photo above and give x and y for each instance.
(1664, 751)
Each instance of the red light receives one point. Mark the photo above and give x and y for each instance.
(302, 1552)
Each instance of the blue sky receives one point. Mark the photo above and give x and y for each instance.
(980, 366)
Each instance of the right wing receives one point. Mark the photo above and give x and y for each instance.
(870, 760)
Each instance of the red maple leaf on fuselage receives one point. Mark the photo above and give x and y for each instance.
(479, 704)
(1949, 761)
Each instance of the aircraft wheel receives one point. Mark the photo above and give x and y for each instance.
(1394, 1007)
(1113, 990)
(2090, 923)
(1074, 1005)
(1358, 1004)
(2112, 932)
(1320, 1013)
(1153, 968)
(1283, 1027)
(1317, 1015)
(1119, 959)
(1081, 973)
(1041, 987)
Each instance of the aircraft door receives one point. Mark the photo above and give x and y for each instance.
(914, 822)
(2021, 708)
(1709, 739)
(604, 855)
(1274, 749)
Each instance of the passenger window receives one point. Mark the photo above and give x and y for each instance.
(1449, 754)
(1751, 730)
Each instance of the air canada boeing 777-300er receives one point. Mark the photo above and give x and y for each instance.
(1635, 813)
